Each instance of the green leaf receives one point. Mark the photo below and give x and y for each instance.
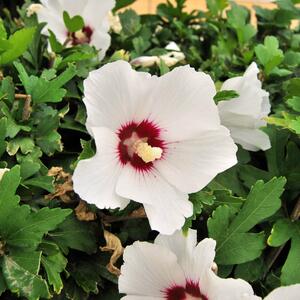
(228, 180)
(29, 168)
(87, 150)
(292, 58)
(290, 270)
(269, 54)
(51, 91)
(293, 87)
(281, 232)
(56, 46)
(27, 229)
(122, 3)
(25, 144)
(8, 200)
(262, 202)
(73, 24)
(250, 174)
(2, 284)
(23, 282)
(44, 182)
(3, 33)
(294, 103)
(233, 247)
(240, 248)
(29, 260)
(225, 95)
(276, 154)
(250, 271)
(234, 244)
(8, 89)
(54, 265)
(3, 125)
(42, 90)
(19, 41)
(225, 197)
(130, 21)
(76, 235)
(237, 17)
(50, 143)
(163, 68)
(216, 6)
(87, 276)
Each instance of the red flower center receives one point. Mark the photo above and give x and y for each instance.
(191, 291)
(131, 135)
(82, 36)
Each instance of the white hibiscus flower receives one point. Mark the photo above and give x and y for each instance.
(243, 115)
(94, 14)
(158, 139)
(291, 292)
(177, 268)
(170, 59)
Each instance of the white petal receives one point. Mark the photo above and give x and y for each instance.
(217, 288)
(245, 113)
(250, 92)
(145, 61)
(250, 139)
(101, 41)
(201, 260)
(172, 46)
(180, 244)
(54, 22)
(73, 7)
(158, 196)
(95, 13)
(95, 178)
(148, 270)
(291, 292)
(190, 165)
(111, 94)
(182, 104)
(194, 260)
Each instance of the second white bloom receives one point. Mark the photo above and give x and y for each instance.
(244, 115)
(158, 139)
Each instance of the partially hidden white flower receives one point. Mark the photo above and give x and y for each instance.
(170, 59)
(145, 61)
(94, 14)
(244, 115)
(177, 268)
(172, 46)
(114, 22)
(157, 138)
(2, 171)
(291, 292)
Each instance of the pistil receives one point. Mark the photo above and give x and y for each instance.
(148, 153)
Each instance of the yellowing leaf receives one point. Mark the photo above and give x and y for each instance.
(113, 244)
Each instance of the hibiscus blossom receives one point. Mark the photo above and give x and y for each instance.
(94, 14)
(157, 138)
(177, 268)
(291, 292)
(243, 115)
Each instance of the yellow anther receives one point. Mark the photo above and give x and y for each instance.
(80, 35)
(148, 153)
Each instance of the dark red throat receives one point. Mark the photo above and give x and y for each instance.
(146, 130)
(85, 39)
(178, 292)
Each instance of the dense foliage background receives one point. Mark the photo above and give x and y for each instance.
(49, 240)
